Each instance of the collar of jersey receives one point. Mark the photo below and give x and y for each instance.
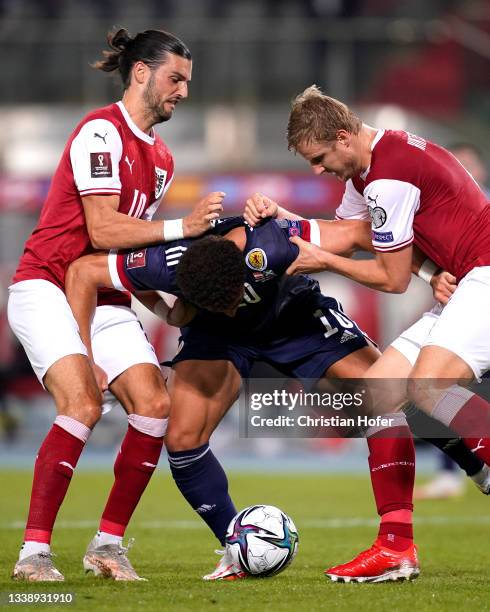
(377, 138)
(133, 127)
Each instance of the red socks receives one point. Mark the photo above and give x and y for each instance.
(392, 468)
(133, 469)
(54, 467)
(471, 418)
(396, 530)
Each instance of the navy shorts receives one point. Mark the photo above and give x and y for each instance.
(308, 340)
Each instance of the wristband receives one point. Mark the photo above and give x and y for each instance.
(173, 230)
(427, 270)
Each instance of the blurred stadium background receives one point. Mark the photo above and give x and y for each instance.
(422, 66)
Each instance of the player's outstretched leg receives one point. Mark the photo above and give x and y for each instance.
(201, 393)
(136, 461)
(71, 383)
(393, 556)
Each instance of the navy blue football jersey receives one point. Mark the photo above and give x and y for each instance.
(268, 253)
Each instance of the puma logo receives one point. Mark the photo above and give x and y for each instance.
(101, 137)
(478, 446)
(130, 164)
(373, 199)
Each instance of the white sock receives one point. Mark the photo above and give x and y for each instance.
(104, 538)
(33, 548)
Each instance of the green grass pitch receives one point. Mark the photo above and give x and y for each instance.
(335, 520)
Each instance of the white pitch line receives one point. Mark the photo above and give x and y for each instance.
(333, 523)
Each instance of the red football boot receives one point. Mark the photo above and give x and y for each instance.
(378, 564)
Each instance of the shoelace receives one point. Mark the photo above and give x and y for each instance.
(365, 554)
(47, 555)
(123, 550)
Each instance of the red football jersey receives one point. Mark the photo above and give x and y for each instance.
(416, 191)
(106, 154)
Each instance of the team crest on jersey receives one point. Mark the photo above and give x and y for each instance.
(256, 259)
(136, 259)
(377, 214)
(160, 178)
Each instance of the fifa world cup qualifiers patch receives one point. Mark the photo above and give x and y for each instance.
(378, 215)
(136, 259)
(382, 236)
(100, 165)
(256, 259)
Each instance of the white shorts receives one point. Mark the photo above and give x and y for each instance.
(462, 326)
(41, 318)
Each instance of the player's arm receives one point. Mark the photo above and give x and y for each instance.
(443, 283)
(389, 272)
(393, 204)
(95, 156)
(84, 277)
(110, 229)
(179, 314)
(345, 237)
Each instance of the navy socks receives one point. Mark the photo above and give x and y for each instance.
(203, 482)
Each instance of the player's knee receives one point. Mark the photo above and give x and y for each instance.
(181, 439)
(416, 389)
(86, 410)
(158, 407)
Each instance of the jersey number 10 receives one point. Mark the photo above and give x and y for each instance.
(331, 330)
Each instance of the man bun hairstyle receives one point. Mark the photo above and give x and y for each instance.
(316, 117)
(211, 273)
(150, 47)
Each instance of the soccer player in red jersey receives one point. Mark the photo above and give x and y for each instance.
(109, 182)
(415, 193)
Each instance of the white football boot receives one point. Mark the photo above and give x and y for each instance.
(110, 561)
(482, 480)
(225, 569)
(37, 568)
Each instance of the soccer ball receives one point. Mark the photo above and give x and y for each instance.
(262, 540)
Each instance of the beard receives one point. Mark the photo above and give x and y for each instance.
(153, 104)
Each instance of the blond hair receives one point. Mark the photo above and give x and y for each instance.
(316, 117)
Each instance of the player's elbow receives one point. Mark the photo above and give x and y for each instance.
(397, 285)
(98, 239)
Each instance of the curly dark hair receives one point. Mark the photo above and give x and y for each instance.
(211, 274)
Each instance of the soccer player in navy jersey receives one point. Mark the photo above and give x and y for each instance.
(247, 312)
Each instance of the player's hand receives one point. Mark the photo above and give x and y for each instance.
(443, 286)
(310, 258)
(259, 207)
(100, 377)
(207, 210)
(181, 313)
